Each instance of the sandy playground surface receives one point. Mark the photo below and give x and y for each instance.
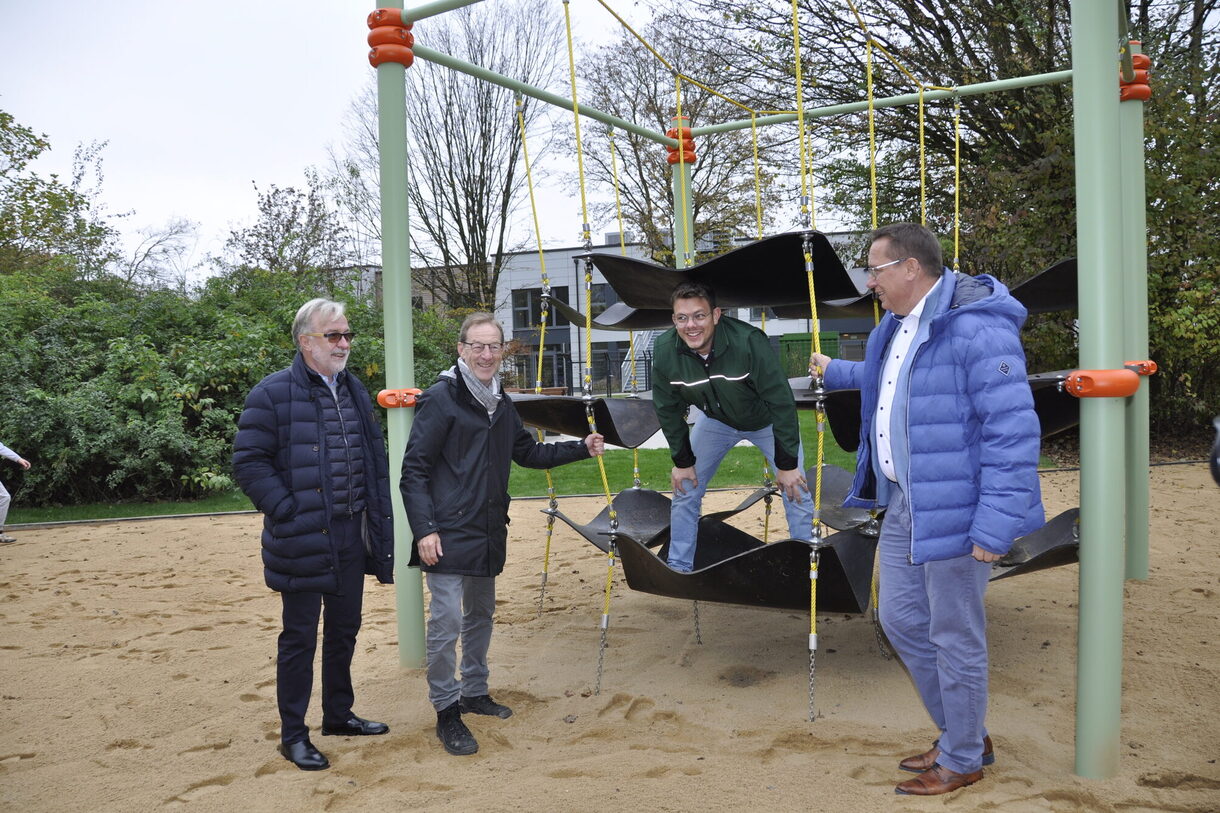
(138, 674)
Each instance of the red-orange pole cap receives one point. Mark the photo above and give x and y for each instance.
(1102, 383)
(391, 53)
(391, 35)
(392, 399)
(387, 16)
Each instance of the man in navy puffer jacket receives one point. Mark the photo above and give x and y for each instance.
(309, 454)
(949, 446)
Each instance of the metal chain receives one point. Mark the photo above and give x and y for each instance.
(698, 632)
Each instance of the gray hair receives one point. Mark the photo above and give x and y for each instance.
(479, 318)
(913, 240)
(312, 312)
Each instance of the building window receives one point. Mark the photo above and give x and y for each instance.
(602, 296)
(527, 308)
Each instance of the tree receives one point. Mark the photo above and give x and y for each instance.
(464, 147)
(296, 232)
(625, 79)
(44, 218)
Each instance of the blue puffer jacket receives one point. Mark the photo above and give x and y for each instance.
(281, 463)
(965, 413)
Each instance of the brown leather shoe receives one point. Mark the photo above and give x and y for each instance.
(922, 762)
(937, 780)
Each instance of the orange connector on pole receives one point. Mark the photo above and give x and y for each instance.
(1141, 367)
(1137, 89)
(390, 38)
(685, 154)
(392, 399)
(1102, 383)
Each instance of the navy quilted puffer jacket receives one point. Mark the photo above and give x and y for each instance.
(287, 458)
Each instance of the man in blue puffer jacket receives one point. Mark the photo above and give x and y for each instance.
(949, 446)
(309, 454)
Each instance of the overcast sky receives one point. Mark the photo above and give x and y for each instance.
(198, 100)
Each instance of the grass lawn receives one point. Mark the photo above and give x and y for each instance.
(741, 468)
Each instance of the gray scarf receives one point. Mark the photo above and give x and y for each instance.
(488, 396)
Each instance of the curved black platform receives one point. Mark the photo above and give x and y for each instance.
(764, 273)
(1051, 290)
(619, 316)
(732, 567)
(1055, 543)
(625, 422)
(1214, 460)
(642, 514)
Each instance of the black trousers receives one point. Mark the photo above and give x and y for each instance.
(299, 641)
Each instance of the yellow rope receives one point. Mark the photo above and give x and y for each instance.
(800, 115)
(872, 134)
(682, 185)
(957, 182)
(758, 211)
(923, 168)
(580, 159)
(668, 65)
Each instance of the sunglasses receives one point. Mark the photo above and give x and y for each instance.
(334, 336)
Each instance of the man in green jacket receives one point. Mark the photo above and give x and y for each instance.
(727, 369)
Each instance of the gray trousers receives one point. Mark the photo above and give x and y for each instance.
(460, 605)
(5, 499)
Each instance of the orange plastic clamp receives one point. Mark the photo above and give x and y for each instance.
(1139, 93)
(688, 144)
(1102, 383)
(387, 16)
(1141, 61)
(672, 132)
(391, 53)
(681, 158)
(391, 399)
(391, 35)
(1141, 367)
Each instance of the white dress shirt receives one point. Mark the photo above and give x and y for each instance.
(896, 353)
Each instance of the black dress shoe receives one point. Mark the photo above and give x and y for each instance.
(304, 755)
(453, 733)
(354, 727)
(483, 704)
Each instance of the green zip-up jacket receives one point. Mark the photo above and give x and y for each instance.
(740, 384)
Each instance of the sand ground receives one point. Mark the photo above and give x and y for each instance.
(138, 674)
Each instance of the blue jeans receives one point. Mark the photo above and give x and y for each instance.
(711, 440)
(933, 615)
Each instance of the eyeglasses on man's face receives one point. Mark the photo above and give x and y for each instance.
(697, 318)
(334, 336)
(478, 347)
(874, 271)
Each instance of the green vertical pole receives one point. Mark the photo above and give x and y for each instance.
(1102, 482)
(1135, 337)
(399, 341)
(684, 222)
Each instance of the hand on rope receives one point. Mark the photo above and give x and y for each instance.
(818, 364)
(792, 483)
(596, 444)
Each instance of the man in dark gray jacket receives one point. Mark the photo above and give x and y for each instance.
(309, 454)
(455, 490)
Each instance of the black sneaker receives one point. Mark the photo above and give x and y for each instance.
(453, 733)
(483, 704)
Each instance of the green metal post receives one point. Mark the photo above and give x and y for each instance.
(399, 337)
(684, 222)
(1135, 284)
(1102, 455)
(998, 85)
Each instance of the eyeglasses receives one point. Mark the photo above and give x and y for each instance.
(478, 347)
(334, 336)
(682, 318)
(874, 271)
